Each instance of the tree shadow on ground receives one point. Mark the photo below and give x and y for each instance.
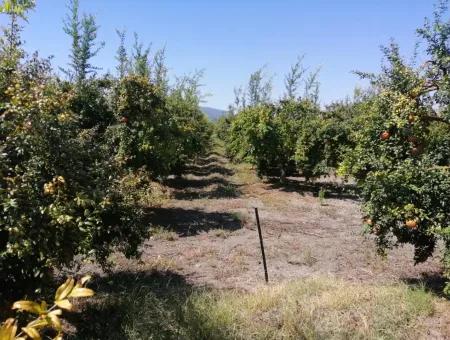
(215, 154)
(207, 165)
(434, 283)
(210, 159)
(219, 191)
(208, 170)
(183, 183)
(188, 222)
(133, 305)
(331, 189)
(203, 188)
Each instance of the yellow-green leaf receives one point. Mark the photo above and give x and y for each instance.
(8, 330)
(81, 292)
(56, 312)
(85, 279)
(64, 304)
(38, 323)
(29, 306)
(64, 290)
(55, 321)
(32, 333)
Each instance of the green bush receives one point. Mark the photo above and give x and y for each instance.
(58, 195)
(322, 138)
(291, 137)
(78, 158)
(401, 155)
(159, 132)
(192, 129)
(145, 130)
(254, 138)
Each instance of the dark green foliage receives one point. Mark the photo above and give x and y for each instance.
(294, 136)
(193, 130)
(145, 130)
(140, 64)
(83, 33)
(57, 200)
(122, 56)
(401, 154)
(223, 126)
(291, 136)
(322, 139)
(70, 152)
(90, 102)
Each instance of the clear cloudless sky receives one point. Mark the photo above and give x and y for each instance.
(229, 39)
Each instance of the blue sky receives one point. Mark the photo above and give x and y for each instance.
(229, 39)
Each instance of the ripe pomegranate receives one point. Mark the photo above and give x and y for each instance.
(411, 224)
(385, 135)
(124, 120)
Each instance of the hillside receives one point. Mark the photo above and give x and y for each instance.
(212, 113)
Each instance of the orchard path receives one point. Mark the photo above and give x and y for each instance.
(214, 242)
(205, 236)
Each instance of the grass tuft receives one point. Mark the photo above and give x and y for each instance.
(160, 233)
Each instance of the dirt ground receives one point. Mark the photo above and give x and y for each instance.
(216, 241)
(206, 233)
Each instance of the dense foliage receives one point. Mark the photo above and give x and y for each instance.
(72, 148)
(68, 149)
(290, 136)
(393, 140)
(401, 156)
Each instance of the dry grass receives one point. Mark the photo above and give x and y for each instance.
(307, 258)
(221, 233)
(162, 264)
(160, 233)
(196, 253)
(241, 216)
(244, 174)
(156, 264)
(313, 308)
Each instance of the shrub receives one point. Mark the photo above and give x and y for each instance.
(254, 138)
(401, 153)
(144, 135)
(192, 130)
(294, 136)
(322, 138)
(58, 194)
(78, 157)
(159, 132)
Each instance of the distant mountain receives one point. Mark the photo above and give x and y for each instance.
(212, 113)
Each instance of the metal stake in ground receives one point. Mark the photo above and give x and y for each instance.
(262, 245)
